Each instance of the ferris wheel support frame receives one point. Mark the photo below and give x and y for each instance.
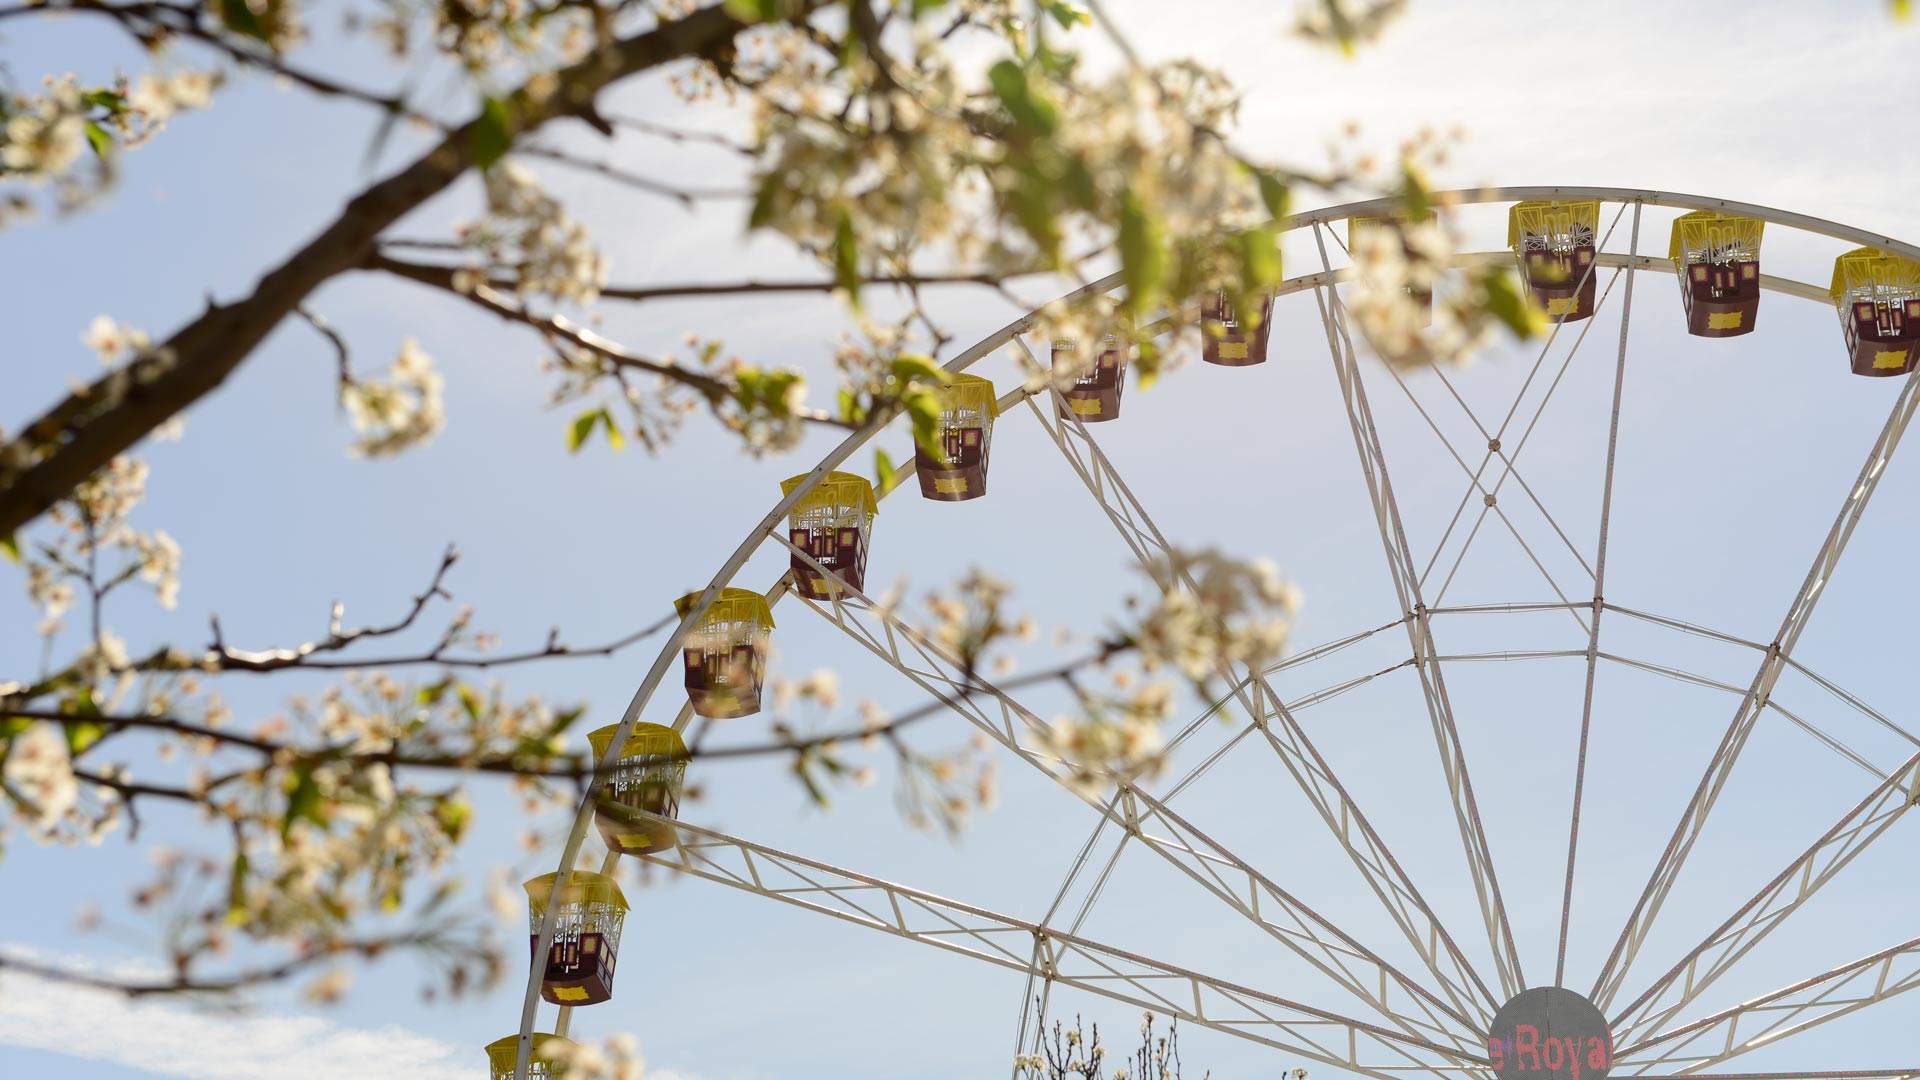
(1210, 864)
(1599, 608)
(1054, 953)
(1303, 761)
(1777, 659)
(1693, 819)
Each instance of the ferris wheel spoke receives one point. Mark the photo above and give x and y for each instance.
(1770, 1018)
(1401, 568)
(1667, 870)
(1852, 834)
(1599, 606)
(1029, 1019)
(1056, 957)
(1148, 820)
(1296, 751)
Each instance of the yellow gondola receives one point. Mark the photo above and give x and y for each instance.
(968, 406)
(648, 776)
(1878, 296)
(1554, 242)
(833, 523)
(589, 911)
(1226, 340)
(726, 652)
(1095, 393)
(1717, 257)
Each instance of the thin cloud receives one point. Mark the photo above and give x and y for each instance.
(170, 1040)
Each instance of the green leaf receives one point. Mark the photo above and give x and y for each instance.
(1028, 106)
(102, 98)
(1067, 15)
(615, 438)
(756, 11)
(565, 720)
(470, 702)
(237, 890)
(303, 802)
(491, 133)
(1143, 254)
(1902, 9)
(1274, 193)
(1509, 303)
(453, 813)
(923, 408)
(100, 139)
(82, 733)
(10, 547)
(885, 476)
(241, 19)
(913, 367)
(1260, 257)
(430, 695)
(1032, 201)
(802, 768)
(846, 258)
(1416, 195)
(923, 7)
(764, 197)
(582, 429)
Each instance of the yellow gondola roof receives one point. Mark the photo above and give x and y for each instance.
(732, 605)
(583, 887)
(645, 740)
(1869, 267)
(969, 392)
(501, 1053)
(1542, 217)
(835, 489)
(1710, 228)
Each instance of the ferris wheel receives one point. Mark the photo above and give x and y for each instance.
(1444, 1001)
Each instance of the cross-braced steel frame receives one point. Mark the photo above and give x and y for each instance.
(1396, 1022)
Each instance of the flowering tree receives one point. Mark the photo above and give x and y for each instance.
(902, 145)
(1076, 1053)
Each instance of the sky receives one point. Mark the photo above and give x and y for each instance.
(1734, 457)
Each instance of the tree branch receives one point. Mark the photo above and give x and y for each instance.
(183, 983)
(94, 423)
(429, 274)
(686, 197)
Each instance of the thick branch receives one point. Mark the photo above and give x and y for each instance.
(82, 433)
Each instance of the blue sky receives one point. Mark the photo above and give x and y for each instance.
(1734, 457)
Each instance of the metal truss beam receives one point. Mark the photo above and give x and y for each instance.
(1148, 821)
(1056, 956)
(1599, 607)
(1406, 580)
(1792, 887)
(1693, 820)
(1782, 1013)
(1284, 734)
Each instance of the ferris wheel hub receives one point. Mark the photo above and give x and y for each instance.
(1550, 1033)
